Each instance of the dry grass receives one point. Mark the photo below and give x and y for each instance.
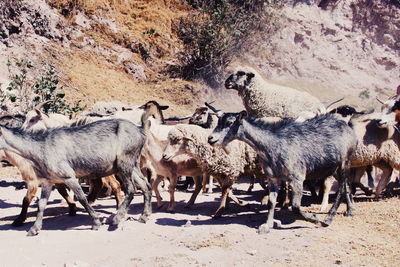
(90, 75)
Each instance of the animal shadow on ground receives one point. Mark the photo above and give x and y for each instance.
(251, 216)
(56, 216)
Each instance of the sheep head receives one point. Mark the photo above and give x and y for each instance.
(240, 78)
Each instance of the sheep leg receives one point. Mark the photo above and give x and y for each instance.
(297, 187)
(370, 177)
(30, 194)
(37, 226)
(74, 185)
(359, 172)
(207, 178)
(236, 200)
(204, 183)
(95, 187)
(198, 186)
(171, 190)
(222, 204)
(62, 189)
(252, 182)
(336, 203)
(154, 186)
(272, 200)
(116, 188)
(327, 188)
(385, 178)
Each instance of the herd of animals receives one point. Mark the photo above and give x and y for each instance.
(285, 138)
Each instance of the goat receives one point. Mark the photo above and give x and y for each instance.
(94, 150)
(183, 165)
(293, 151)
(37, 120)
(29, 177)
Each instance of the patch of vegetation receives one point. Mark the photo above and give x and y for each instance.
(26, 92)
(216, 31)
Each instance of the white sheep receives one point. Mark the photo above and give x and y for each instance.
(242, 160)
(262, 98)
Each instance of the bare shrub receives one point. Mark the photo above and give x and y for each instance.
(215, 31)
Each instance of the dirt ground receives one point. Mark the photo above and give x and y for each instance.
(190, 236)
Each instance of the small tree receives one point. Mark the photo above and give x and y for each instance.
(27, 92)
(18, 90)
(47, 89)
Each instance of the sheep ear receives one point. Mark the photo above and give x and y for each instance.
(188, 138)
(250, 76)
(242, 115)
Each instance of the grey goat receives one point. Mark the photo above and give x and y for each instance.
(94, 150)
(294, 151)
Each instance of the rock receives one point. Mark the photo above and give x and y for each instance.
(135, 70)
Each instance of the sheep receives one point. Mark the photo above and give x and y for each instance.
(293, 151)
(262, 98)
(226, 168)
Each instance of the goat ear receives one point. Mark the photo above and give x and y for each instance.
(38, 112)
(163, 107)
(242, 115)
(250, 75)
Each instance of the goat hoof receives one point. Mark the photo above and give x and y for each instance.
(277, 224)
(348, 214)
(95, 227)
(32, 232)
(18, 222)
(143, 218)
(325, 223)
(263, 229)
(72, 210)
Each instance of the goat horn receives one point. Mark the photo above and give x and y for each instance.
(211, 107)
(6, 115)
(40, 105)
(380, 101)
(334, 102)
(177, 119)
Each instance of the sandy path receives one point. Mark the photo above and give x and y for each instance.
(369, 238)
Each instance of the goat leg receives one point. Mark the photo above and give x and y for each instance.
(336, 203)
(297, 187)
(62, 189)
(30, 194)
(37, 226)
(74, 185)
(272, 200)
(144, 185)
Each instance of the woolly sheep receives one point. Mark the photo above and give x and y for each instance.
(241, 161)
(262, 98)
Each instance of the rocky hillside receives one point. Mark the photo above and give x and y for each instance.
(335, 48)
(121, 50)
